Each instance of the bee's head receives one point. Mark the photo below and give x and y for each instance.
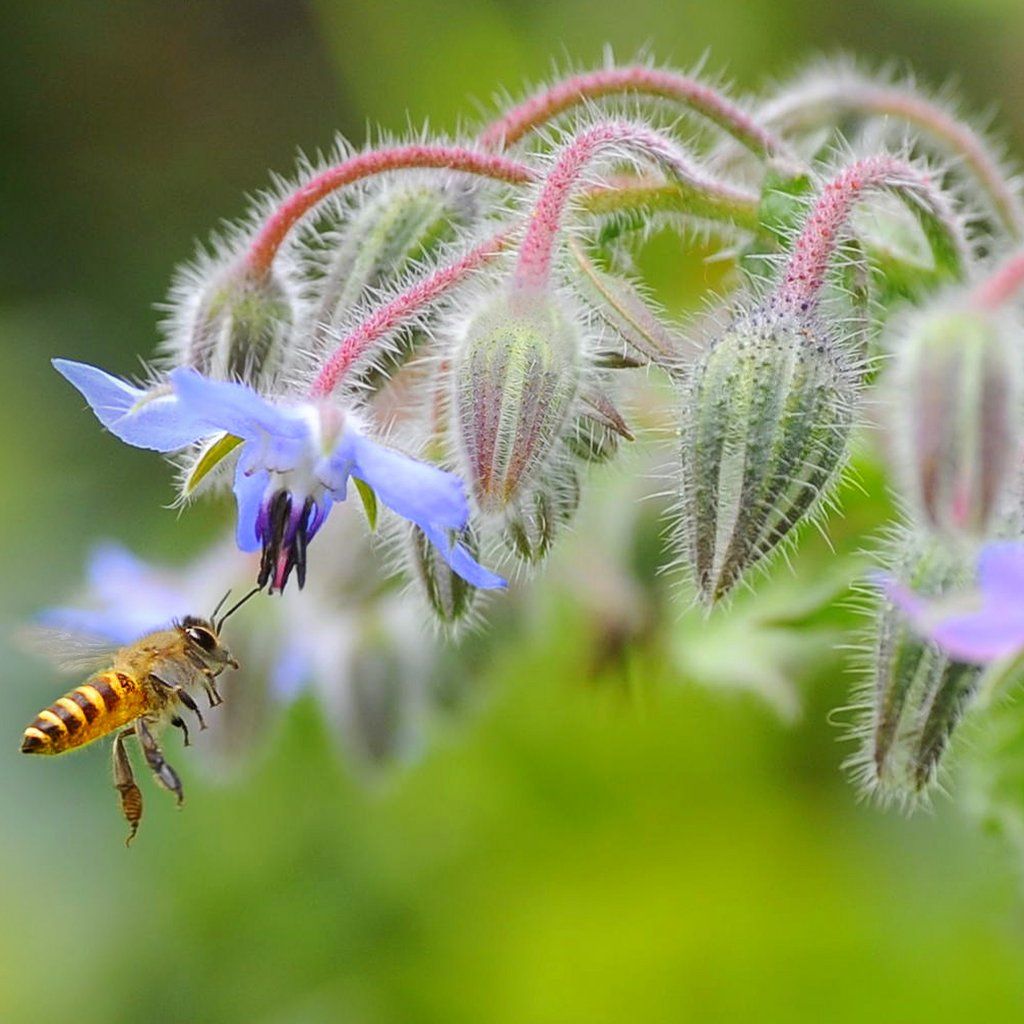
(203, 637)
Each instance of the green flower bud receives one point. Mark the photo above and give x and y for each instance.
(397, 226)
(531, 531)
(954, 410)
(516, 376)
(917, 695)
(765, 423)
(239, 327)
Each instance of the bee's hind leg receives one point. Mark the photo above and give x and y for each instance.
(162, 771)
(124, 781)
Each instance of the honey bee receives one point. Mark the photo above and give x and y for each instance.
(143, 689)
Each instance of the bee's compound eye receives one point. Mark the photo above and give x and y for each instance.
(203, 637)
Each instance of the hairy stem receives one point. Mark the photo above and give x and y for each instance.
(264, 246)
(688, 92)
(831, 99)
(716, 201)
(401, 310)
(536, 251)
(804, 275)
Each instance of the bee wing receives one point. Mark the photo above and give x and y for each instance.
(67, 650)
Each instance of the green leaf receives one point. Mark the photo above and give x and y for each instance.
(369, 499)
(214, 453)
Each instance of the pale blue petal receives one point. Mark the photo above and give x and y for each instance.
(1001, 571)
(249, 492)
(461, 561)
(415, 490)
(235, 408)
(161, 424)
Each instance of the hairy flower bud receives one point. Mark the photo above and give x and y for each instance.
(954, 409)
(766, 418)
(531, 531)
(237, 326)
(916, 694)
(516, 376)
(395, 227)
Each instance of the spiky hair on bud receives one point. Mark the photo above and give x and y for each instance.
(913, 697)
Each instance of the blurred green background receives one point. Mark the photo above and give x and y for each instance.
(618, 844)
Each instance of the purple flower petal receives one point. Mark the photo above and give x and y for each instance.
(1001, 571)
(131, 414)
(249, 491)
(982, 636)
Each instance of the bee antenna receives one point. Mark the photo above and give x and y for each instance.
(234, 608)
(220, 604)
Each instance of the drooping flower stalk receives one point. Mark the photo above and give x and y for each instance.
(401, 309)
(265, 245)
(640, 197)
(828, 98)
(1002, 286)
(804, 275)
(536, 250)
(671, 85)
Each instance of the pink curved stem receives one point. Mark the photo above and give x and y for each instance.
(536, 251)
(844, 94)
(401, 310)
(1003, 285)
(268, 240)
(548, 103)
(804, 275)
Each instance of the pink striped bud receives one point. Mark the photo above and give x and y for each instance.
(516, 376)
(954, 410)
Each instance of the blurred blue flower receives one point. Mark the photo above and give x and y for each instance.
(294, 463)
(981, 626)
(126, 599)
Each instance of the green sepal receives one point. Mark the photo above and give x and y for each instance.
(369, 499)
(212, 456)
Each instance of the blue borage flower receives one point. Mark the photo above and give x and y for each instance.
(981, 626)
(294, 462)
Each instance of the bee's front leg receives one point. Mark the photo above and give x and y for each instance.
(124, 781)
(209, 680)
(185, 697)
(162, 771)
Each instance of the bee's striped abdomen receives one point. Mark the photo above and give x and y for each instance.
(105, 702)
